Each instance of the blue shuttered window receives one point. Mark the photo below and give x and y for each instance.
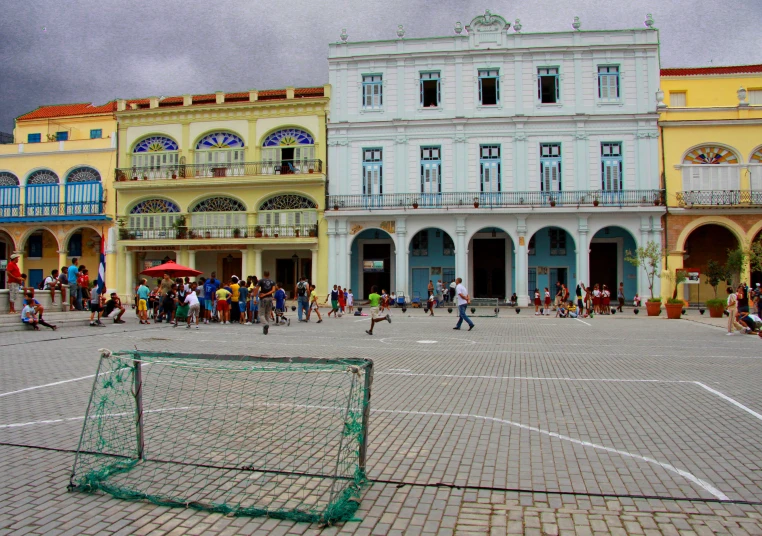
(608, 82)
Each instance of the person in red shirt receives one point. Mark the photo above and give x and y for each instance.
(14, 281)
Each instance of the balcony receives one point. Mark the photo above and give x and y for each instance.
(219, 170)
(447, 200)
(718, 198)
(87, 210)
(225, 233)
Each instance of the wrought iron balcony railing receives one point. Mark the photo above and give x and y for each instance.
(568, 198)
(236, 169)
(715, 198)
(52, 210)
(202, 233)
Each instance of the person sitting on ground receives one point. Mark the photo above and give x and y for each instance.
(114, 304)
(514, 300)
(562, 310)
(572, 310)
(636, 300)
(30, 300)
(29, 318)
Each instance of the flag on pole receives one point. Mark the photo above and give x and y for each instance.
(102, 266)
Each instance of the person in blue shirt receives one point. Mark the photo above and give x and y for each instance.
(280, 305)
(74, 293)
(209, 290)
(142, 292)
(243, 293)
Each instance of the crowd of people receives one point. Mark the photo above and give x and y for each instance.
(744, 309)
(590, 300)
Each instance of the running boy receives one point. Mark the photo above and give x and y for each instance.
(375, 300)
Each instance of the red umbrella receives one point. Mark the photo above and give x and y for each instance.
(171, 268)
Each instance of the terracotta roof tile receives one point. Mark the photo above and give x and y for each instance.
(729, 69)
(63, 110)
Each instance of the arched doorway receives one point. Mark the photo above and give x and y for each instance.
(431, 257)
(372, 262)
(705, 243)
(608, 248)
(492, 263)
(552, 261)
(84, 244)
(40, 256)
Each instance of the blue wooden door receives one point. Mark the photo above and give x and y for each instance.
(35, 277)
(42, 200)
(83, 197)
(9, 201)
(420, 286)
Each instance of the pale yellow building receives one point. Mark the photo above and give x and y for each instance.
(711, 127)
(232, 183)
(55, 190)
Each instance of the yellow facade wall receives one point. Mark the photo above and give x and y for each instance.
(709, 91)
(77, 127)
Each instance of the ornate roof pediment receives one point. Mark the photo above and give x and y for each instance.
(488, 23)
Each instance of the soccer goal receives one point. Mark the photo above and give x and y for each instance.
(483, 307)
(239, 435)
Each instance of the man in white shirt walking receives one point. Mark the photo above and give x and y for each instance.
(461, 293)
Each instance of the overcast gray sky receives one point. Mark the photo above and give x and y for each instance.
(61, 51)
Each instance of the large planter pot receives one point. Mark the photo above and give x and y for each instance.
(716, 311)
(674, 310)
(653, 308)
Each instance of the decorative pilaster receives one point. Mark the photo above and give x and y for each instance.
(244, 263)
(461, 251)
(402, 255)
(583, 252)
(313, 274)
(129, 275)
(522, 262)
(191, 259)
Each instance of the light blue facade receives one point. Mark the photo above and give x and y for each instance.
(435, 258)
(547, 265)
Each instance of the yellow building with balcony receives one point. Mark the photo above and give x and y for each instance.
(711, 126)
(55, 178)
(232, 183)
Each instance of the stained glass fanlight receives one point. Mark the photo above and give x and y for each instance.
(156, 144)
(287, 202)
(43, 176)
(287, 137)
(155, 206)
(219, 204)
(8, 179)
(83, 174)
(219, 140)
(709, 154)
(756, 158)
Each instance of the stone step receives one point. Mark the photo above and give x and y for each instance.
(73, 318)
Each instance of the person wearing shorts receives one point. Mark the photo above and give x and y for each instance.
(96, 306)
(375, 299)
(209, 289)
(314, 307)
(223, 307)
(243, 294)
(143, 293)
(194, 307)
(13, 273)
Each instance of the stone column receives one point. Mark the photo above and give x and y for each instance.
(522, 262)
(402, 256)
(63, 260)
(129, 277)
(244, 263)
(333, 254)
(191, 258)
(313, 274)
(258, 262)
(461, 250)
(656, 232)
(343, 270)
(583, 253)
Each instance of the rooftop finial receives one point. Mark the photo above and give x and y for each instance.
(458, 27)
(576, 24)
(343, 35)
(649, 22)
(400, 31)
(517, 26)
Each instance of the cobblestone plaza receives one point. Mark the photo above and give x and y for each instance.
(525, 425)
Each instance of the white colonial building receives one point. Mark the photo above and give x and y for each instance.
(512, 160)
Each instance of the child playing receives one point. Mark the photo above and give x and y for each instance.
(350, 302)
(432, 303)
(547, 302)
(96, 306)
(280, 305)
(537, 302)
(314, 304)
(375, 300)
(636, 300)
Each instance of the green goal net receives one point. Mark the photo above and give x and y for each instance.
(239, 435)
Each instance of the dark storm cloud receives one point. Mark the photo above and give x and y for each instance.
(87, 50)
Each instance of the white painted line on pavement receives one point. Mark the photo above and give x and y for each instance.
(731, 400)
(47, 385)
(533, 378)
(578, 320)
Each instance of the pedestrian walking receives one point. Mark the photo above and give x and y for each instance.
(266, 291)
(314, 306)
(461, 292)
(302, 299)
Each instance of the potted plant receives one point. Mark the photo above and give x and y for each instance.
(174, 175)
(121, 176)
(311, 170)
(296, 232)
(648, 257)
(181, 230)
(207, 234)
(674, 305)
(258, 231)
(476, 202)
(415, 203)
(313, 231)
(552, 201)
(145, 177)
(236, 233)
(596, 202)
(715, 274)
(335, 206)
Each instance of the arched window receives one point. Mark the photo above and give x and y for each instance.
(755, 168)
(289, 150)
(42, 193)
(9, 195)
(286, 214)
(219, 217)
(84, 191)
(711, 168)
(220, 148)
(155, 152)
(153, 218)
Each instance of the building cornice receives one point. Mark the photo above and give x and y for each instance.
(710, 122)
(59, 153)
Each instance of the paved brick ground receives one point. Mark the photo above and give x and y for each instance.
(618, 425)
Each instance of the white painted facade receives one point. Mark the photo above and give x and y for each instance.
(518, 123)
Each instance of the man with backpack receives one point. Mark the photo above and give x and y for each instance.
(302, 298)
(266, 291)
